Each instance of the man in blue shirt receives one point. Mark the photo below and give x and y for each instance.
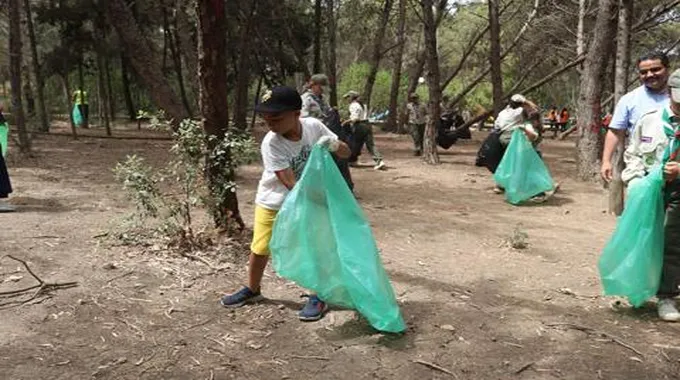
(653, 94)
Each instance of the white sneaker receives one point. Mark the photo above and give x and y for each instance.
(667, 310)
(379, 166)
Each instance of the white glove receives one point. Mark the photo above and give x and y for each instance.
(329, 142)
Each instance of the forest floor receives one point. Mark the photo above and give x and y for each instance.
(475, 307)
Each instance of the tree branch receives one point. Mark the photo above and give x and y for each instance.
(655, 12)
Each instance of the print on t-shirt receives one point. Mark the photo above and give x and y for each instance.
(298, 162)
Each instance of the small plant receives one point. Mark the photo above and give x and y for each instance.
(172, 194)
(518, 239)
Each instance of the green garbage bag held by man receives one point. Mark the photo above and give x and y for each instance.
(4, 137)
(322, 241)
(77, 116)
(631, 262)
(522, 172)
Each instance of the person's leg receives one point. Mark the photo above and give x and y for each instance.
(370, 146)
(259, 256)
(670, 274)
(358, 140)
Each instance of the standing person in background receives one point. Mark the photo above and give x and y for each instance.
(417, 114)
(80, 101)
(552, 119)
(314, 105)
(362, 131)
(651, 95)
(563, 119)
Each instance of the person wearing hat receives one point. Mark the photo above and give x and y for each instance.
(652, 94)
(651, 136)
(285, 150)
(362, 131)
(417, 114)
(515, 115)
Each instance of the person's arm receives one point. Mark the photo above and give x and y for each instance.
(530, 132)
(287, 178)
(615, 135)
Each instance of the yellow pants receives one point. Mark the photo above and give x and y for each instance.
(262, 230)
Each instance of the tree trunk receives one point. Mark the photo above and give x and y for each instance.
(590, 92)
(212, 76)
(393, 113)
(67, 94)
(28, 92)
(186, 32)
(317, 35)
(127, 94)
(103, 100)
(243, 64)
(430, 154)
(144, 60)
(625, 23)
(580, 30)
(175, 54)
(15, 74)
(44, 125)
(376, 55)
(109, 89)
(332, 53)
(495, 56)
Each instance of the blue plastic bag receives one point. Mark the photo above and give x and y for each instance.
(632, 260)
(522, 172)
(322, 241)
(77, 116)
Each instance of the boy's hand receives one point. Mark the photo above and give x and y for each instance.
(670, 171)
(329, 142)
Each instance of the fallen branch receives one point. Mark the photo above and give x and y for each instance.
(590, 330)
(42, 286)
(310, 357)
(202, 260)
(435, 367)
(524, 368)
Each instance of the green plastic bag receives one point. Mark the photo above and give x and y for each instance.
(4, 135)
(632, 260)
(77, 116)
(522, 172)
(322, 241)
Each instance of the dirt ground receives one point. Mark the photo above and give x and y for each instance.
(475, 308)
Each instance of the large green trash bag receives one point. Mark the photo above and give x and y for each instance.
(77, 116)
(4, 135)
(522, 172)
(322, 241)
(632, 260)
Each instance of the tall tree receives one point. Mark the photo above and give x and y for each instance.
(144, 60)
(212, 76)
(590, 91)
(15, 74)
(332, 53)
(396, 70)
(495, 55)
(318, 31)
(127, 93)
(186, 32)
(430, 154)
(376, 55)
(625, 23)
(243, 68)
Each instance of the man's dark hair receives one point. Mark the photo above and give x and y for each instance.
(653, 56)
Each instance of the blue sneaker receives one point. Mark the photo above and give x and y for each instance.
(240, 298)
(314, 309)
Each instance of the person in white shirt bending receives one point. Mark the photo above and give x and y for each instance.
(362, 131)
(285, 150)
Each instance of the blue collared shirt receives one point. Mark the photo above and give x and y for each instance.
(634, 104)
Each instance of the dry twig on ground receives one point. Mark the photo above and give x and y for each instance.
(40, 289)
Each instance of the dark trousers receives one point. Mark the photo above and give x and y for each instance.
(418, 134)
(363, 135)
(85, 113)
(5, 184)
(670, 274)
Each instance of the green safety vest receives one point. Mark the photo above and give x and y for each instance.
(80, 97)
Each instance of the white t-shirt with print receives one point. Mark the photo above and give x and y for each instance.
(279, 153)
(357, 112)
(509, 118)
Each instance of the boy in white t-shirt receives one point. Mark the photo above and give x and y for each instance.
(285, 150)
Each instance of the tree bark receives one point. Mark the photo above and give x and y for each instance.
(495, 56)
(212, 76)
(332, 54)
(15, 74)
(109, 88)
(590, 92)
(127, 94)
(393, 113)
(317, 35)
(376, 55)
(430, 154)
(580, 30)
(144, 60)
(28, 92)
(623, 36)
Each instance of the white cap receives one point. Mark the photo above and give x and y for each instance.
(517, 98)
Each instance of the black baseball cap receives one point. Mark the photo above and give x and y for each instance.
(279, 99)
